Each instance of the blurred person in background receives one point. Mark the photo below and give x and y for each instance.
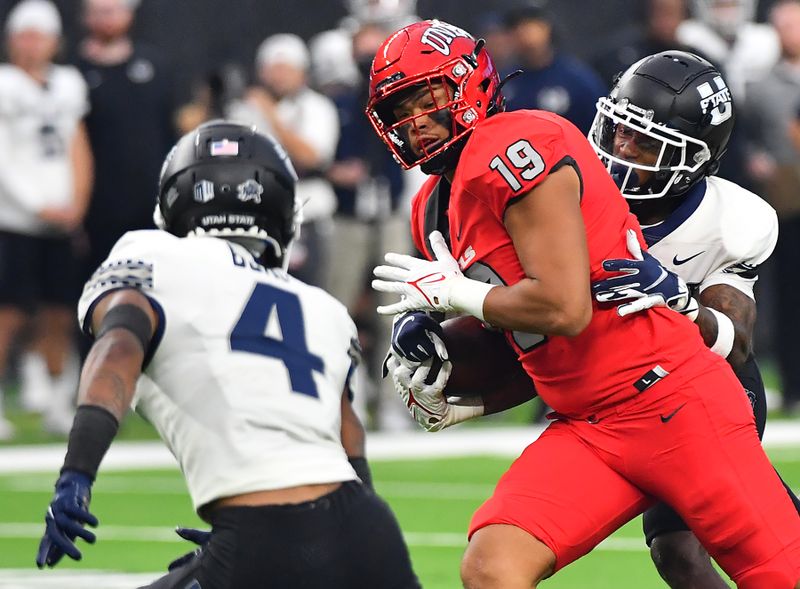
(130, 125)
(491, 28)
(774, 163)
(333, 69)
(211, 96)
(333, 66)
(725, 33)
(45, 182)
(372, 217)
(551, 80)
(390, 14)
(306, 123)
(654, 32)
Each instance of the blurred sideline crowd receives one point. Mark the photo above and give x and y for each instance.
(82, 138)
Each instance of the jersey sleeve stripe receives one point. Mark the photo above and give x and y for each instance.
(130, 273)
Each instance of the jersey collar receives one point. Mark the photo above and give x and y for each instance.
(692, 200)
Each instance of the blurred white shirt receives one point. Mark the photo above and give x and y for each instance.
(753, 53)
(37, 126)
(314, 118)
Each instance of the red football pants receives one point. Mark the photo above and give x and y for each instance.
(690, 441)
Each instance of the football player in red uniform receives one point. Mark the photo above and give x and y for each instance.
(515, 223)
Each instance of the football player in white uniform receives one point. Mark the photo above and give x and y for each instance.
(45, 182)
(661, 131)
(243, 370)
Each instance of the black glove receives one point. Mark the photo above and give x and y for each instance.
(643, 284)
(416, 337)
(199, 537)
(65, 519)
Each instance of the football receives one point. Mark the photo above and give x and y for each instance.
(483, 363)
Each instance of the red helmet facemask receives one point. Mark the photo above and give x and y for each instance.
(430, 84)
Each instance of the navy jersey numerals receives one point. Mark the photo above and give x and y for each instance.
(272, 325)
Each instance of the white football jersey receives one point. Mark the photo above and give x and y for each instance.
(719, 235)
(245, 385)
(37, 126)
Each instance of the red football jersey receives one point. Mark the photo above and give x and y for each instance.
(507, 156)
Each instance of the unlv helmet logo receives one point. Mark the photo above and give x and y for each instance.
(440, 35)
(716, 97)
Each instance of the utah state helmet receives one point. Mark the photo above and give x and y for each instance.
(228, 180)
(678, 106)
(421, 55)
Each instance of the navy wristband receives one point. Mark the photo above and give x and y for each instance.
(361, 466)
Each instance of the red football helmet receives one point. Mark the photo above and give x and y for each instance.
(420, 60)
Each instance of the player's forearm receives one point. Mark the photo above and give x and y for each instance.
(532, 307)
(353, 441)
(110, 373)
(710, 331)
(733, 331)
(353, 434)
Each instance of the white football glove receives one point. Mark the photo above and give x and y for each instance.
(426, 402)
(426, 285)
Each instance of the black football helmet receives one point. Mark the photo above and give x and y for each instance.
(228, 180)
(678, 107)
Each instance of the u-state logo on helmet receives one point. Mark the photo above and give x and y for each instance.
(715, 97)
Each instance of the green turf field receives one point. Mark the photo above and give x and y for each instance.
(433, 500)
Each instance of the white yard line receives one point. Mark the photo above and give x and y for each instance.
(55, 579)
(74, 579)
(165, 535)
(110, 484)
(465, 441)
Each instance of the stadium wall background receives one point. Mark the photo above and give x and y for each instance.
(201, 35)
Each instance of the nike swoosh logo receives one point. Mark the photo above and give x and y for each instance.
(412, 402)
(426, 280)
(666, 418)
(678, 262)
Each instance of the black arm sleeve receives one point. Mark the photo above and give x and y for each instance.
(92, 432)
(131, 318)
